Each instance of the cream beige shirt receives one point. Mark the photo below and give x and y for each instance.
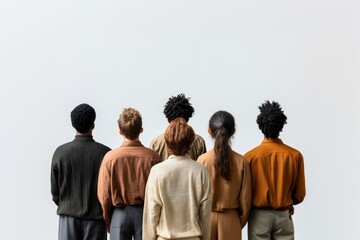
(277, 170)
(234, 194)
(177, 200)
(197, 148)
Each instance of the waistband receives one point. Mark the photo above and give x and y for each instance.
(130, 206)
(190, 238)
(225, 210)
(272, 209)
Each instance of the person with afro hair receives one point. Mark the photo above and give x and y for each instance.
(178, 107)
(74, 176)
(277, 179)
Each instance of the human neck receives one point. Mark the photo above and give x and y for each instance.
(131, 140)
(88, 133)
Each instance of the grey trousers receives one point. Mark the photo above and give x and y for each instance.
(270, 225)
(126, 222)
(71, 228)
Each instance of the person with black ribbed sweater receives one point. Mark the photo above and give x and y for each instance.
(74, 176)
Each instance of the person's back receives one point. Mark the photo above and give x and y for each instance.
(178, 107)
(230, 180)
(181, 180)
(74, 175)
(76, 164)
(278, 179)
(178, 195)
(129, 167)
(278, 173)
(122, 179)
(158, 144)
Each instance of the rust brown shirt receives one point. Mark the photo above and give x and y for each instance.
(233, 194)
(123, 175)
(278, 178)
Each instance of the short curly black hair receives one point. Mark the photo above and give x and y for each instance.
(178, 106)
(271, 119)
(83, 117)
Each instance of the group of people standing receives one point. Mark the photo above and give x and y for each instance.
(176, 189)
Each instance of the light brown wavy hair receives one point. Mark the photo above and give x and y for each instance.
(130, 123)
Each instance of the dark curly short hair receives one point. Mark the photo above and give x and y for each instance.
(271, 119)
(178, 106)
(83, 117)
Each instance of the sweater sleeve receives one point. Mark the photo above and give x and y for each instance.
(205, 207)
(245, 194)
(54, 179)
(104, 192)
(152, 208)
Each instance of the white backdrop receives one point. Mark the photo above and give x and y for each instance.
(225, 55)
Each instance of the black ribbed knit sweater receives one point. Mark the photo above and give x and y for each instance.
(74, 176)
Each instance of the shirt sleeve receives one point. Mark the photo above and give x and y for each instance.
(203, 146)
(205, 207)
(104, 192)
(152, 208)
(155, 160)
(159, 146)
(200, 148)
(245, 194)
(152, 145)
(299, 191)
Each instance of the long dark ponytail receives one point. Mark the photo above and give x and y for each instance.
(222, 127)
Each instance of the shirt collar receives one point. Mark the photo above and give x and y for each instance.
(179, 157)
(131, 144)
(83, 138)
(270, 140)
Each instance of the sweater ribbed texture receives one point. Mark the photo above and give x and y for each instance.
(74, 175)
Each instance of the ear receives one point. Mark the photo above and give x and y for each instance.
(141, 130)
(209, 131)
(121, 132)
(234, 131)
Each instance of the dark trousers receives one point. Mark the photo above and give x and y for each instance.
(126, 222)
(71, 228)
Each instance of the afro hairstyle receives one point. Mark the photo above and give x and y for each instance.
(83, 117)
(178, 106)
(271, 119)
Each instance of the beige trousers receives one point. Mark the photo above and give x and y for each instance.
(270, 225)
(225, 225)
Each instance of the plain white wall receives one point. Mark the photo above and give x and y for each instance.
(225, 55)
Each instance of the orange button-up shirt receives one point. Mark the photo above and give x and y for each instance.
(277, 175)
